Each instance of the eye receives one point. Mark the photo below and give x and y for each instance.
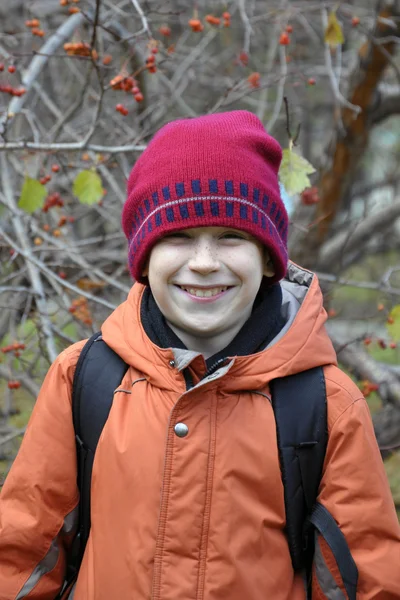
(232, 235)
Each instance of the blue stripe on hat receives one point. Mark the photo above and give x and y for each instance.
(196, 188)
(244, 190)
(183, 210)
(180, 189)
(256, 195)
(166, 193)
(155, 198)
(215, 209)
(158, 219)
(229, 209)
(147, 205)
(170, 214)
(213, 186)
(229, 187)
(255, 216)
(199, 209)
(243, 211)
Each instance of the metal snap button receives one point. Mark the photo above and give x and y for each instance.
(171, 363)
(181, 429)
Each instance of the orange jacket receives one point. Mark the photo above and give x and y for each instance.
(202, 516)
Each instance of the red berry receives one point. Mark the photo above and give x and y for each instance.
(284, 39)
(355, 21)
(382, 344)
(390, 321)
(393, 345)
(311, 81)
(11, 69)
(62, 274)
(367, 341)
(154, 50)
(289, 28)
(139, 97)
(1, 66)
(55, 168)
(165, 30)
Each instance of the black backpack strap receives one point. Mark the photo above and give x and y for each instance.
(326, 525)
(299, 403)
(98, 373)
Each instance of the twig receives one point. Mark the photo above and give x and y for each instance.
(368, 285)
(12, 436)
(142, 17)
(248, 30)
(280, 90)
(332, 77)
(71, 147)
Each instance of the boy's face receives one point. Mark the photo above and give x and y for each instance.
(205, 279)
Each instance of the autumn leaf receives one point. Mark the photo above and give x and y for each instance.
(88, 187)
(294, 172)
(393, 326)
(32, 196)
(333, 32)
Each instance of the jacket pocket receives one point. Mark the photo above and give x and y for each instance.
(335, 574)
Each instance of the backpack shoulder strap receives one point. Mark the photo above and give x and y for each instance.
(299, 403)
(98, 373)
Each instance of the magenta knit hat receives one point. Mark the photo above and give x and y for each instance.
(217, 170)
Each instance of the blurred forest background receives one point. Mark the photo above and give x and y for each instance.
(83, 87)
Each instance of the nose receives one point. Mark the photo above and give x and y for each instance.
(204, 258)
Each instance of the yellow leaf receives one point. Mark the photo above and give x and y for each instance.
(294, 172)
(333, 32)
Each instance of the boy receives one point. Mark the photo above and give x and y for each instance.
(187, 497)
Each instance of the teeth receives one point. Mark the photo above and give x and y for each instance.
(205, 293)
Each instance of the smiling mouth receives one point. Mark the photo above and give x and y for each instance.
(204, 292)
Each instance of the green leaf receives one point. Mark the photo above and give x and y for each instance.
(32, 196)
(294, 172)
(333, 32)
(88, 187)
(394, 328)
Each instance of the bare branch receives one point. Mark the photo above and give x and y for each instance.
(71, 147)
(344, 242)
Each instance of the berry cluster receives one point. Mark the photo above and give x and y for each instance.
(9, 89)
(13, 384)
(80, 309)
(367, 387)
(254, 80)
(126, 84)
(165, 30)
(196, 25)
(52, 200)
(34, 25)
(15, 347)
(310, 196)
(80, 49)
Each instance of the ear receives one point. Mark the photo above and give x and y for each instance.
(269, 269)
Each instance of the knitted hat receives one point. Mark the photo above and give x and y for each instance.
(216, 170)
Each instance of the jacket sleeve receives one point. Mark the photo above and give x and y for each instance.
(355, 490)
(38, 503)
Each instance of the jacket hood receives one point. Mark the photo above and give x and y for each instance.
(302, 344)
